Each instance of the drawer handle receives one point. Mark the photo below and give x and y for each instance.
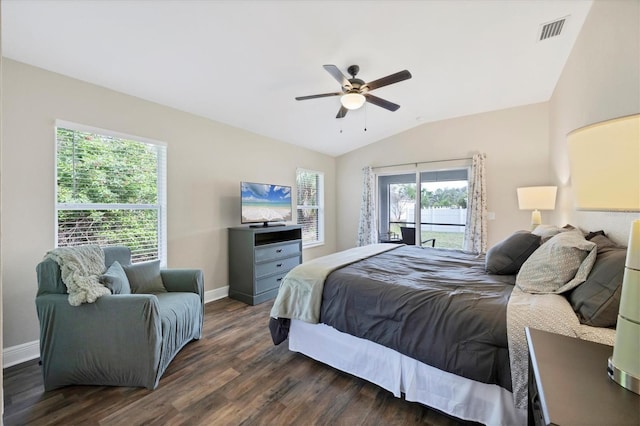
(279, 265)
(279, 251)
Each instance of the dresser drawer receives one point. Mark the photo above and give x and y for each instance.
(276, 251)
(269, 283)
(276, 266)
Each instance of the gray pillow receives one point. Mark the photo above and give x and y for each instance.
(597, 300)
(507, 256)
(557, 266)
(603, 242)
(590, 235)
(115, 279)
(145, 277)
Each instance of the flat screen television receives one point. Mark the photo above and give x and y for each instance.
(266, 204)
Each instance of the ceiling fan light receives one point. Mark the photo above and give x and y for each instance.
(352, 100)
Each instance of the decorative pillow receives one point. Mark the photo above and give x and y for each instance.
(145, 277)
(597, 300)
(115, 279)
(507, 256)
(547, 231)
(590, 235)
(603, 242)
(560, 264)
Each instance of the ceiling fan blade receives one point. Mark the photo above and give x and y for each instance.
(337, 74)
(323, 95)
(381, 102)
(342, 112)
(390, 79)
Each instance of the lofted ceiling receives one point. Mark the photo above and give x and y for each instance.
(243, 62)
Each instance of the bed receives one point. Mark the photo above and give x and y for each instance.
(430, 325)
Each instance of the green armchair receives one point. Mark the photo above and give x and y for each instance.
(121, 339)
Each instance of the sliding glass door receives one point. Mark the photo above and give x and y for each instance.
(435, 202)
(396, 204)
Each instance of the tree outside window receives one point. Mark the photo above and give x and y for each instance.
(310, 205)
(442, 211)
(110, 191)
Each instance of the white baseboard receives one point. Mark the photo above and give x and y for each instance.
(18, 354)
(215, 294)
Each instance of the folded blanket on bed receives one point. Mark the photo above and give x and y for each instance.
(548, 312)
(300, 293)
(80, 268)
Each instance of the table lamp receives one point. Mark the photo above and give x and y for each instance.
(605, 176)
(537, 198)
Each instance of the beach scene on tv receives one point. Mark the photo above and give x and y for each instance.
(265, 203)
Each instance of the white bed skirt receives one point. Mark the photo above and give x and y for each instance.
(460, 397)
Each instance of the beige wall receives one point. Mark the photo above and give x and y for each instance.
(515, 141)
(525, 145)
(601, 80)
(206, 161)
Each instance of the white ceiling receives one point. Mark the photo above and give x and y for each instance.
(244, 62)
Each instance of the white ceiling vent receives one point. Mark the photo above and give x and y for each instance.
(551, 29)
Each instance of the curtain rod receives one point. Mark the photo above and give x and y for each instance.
(421, 162)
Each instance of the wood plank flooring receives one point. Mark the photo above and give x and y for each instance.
(234, 375)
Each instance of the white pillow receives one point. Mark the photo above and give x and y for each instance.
(560, 264)
(547, 231)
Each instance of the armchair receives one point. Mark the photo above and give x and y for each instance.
(409, 237)
(121, 339)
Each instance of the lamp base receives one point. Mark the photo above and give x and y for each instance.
(622, 378)
(536, 219)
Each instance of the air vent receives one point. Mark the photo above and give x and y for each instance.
(551, 29)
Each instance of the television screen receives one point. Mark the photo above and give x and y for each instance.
(263, 203)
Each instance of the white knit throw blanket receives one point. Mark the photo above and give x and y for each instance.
(81, 268)
(300, 293)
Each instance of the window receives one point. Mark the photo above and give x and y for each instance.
(439, 208)
(310, 206)
(110, 191)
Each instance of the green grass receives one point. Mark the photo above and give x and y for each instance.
(452, 240)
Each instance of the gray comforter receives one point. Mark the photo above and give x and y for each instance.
(437, 306)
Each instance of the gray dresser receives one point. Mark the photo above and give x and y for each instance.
(259, 258)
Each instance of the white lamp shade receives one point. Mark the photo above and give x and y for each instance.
(352, 100)
(605, 165)
(537, 198)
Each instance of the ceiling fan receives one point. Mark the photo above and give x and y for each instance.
(355, 92)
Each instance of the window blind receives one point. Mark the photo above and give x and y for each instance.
(310, 199)
(110, 191)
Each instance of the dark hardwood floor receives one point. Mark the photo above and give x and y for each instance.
(233, 375)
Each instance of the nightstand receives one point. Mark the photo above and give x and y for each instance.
(569, 385)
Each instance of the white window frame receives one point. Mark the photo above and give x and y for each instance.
(161, 204)
(319, 207)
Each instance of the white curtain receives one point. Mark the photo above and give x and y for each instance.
(475, 234)
(367, 233)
